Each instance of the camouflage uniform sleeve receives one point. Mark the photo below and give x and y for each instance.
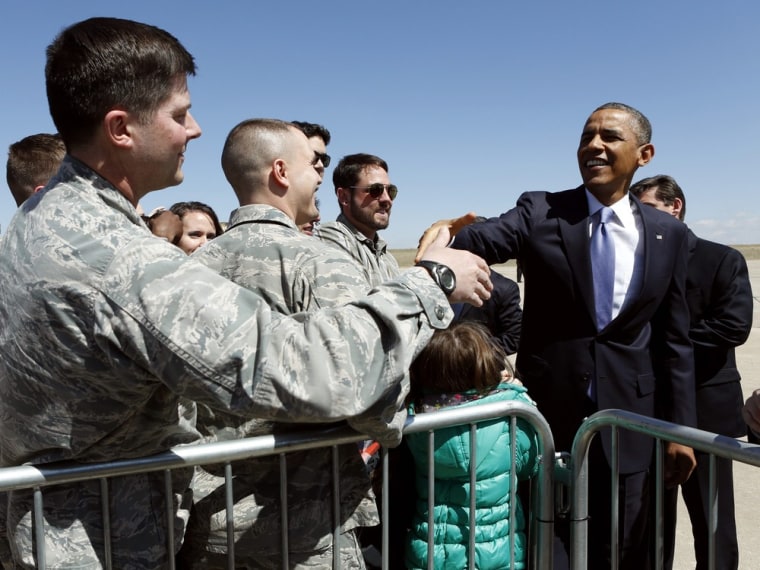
(218, 343)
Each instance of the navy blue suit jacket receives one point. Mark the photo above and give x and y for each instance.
(720, 301)
(642, 361)
(501, 314)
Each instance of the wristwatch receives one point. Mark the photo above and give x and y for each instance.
(442, 275)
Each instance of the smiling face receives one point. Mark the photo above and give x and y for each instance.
(160, 142)
(304, 177)
(609, 154)
(197, 229)
(367, 214)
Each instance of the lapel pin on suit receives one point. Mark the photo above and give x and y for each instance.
(658, 236)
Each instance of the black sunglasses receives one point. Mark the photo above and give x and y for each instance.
(376, 190)
(324, 157)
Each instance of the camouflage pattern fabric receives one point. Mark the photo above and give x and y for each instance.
(264, 251)
(103, 327)
(378, 263)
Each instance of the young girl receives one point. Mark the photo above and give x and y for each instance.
(462, 366)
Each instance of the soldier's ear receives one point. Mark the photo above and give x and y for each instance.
(117, 128)
(280, 172)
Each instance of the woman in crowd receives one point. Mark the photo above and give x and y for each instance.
(199, 224)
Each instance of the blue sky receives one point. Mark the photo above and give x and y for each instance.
(471, 103)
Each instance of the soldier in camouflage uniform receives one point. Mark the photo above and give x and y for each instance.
(363, 212)
(104, 327)
(275, 175)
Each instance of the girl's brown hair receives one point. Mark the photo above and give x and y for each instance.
(457, 359)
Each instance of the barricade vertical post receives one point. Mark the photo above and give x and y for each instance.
(658, 510)
(385, 509)
(169, 502)
(579, 501)
(513, 488)
(105, 513)
(473, 493)
(712, 512)
(336, 508)
(615, 501)
(431, 498)
(284, 546)
(229, 503)
(39, 528)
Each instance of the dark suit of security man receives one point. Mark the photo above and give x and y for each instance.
(720, 301)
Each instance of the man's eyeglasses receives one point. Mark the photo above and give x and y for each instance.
(324, 157)
(376, 190)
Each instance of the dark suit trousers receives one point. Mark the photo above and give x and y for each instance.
(696, 496)
(633, 525)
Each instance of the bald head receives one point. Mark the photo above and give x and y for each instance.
(268, 161)
(251, 149)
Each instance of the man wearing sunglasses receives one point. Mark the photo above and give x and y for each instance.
(365, 196)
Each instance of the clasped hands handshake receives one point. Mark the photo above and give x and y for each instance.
(472, 272)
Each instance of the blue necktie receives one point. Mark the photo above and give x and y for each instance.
(603, 266)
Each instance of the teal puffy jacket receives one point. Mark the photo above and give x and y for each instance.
(452, 491)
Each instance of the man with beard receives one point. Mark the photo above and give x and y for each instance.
(365, 196)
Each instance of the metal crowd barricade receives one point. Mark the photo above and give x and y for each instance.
(713, 444)
(542, 508)
(541, 513)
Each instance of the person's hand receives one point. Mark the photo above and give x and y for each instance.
(679, 463)
(472, 272)
(751, 411)
(508, 378)
(453, 225)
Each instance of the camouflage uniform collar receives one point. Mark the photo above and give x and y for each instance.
(260, 213)
(378, 245)
(73, 169)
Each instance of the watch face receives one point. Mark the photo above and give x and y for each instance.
(448, 281)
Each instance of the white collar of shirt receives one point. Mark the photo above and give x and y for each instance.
(622, 208)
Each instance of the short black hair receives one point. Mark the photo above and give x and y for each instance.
(313, 130)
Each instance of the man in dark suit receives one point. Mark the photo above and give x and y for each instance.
(571, 364)
(720, 303)
(501, 314)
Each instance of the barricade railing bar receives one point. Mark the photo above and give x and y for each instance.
(541, 518)
(541, 513)
(713, 444)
